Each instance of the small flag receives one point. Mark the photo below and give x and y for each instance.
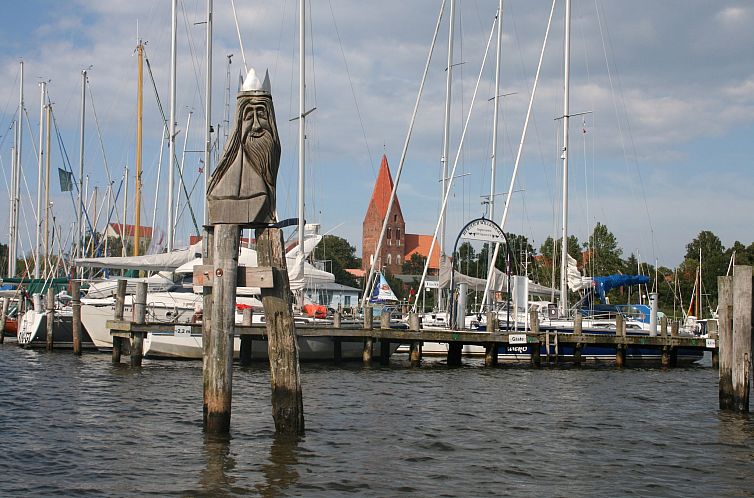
(66, 180)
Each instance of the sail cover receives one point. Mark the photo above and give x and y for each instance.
(382, 292)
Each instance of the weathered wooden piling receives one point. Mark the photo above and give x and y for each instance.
(664, 326)
(741, 371)
(366, 355)
(620, 349)
(490, 354)
(50, 318)
(725, 332)
(674, 328)
(665, 357)
(384, 351)
(76, 320)
(455, 353)
(139, 317)
(285, 377)
(384, 321)
(218, 355)
(416, 346)
(246, 345)
(337, 319)
(536, 357)
(3, 314)
(120, 302)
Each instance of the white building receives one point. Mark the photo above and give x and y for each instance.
(334, 294)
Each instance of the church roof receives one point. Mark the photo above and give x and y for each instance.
(382, 189)
(420, 244)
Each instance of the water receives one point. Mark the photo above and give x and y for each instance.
(81, 426)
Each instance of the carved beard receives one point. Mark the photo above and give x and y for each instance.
(263, 153)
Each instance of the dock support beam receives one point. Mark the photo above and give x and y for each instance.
(76, 320)
(218, 355)
(245, 353)
(50, 318)
(366, 355)
(140, 317)
(120, 302)
(416, 346)
(712, 331)
(620, 350)
(455, 351)
(384, 352)
(742, 301)
(282, 346)
(725, 331)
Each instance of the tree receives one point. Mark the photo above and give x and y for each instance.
(548, 261)
(341, 254)
(604, 255)
(415, 265)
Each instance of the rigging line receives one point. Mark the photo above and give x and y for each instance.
(353, 91)
(620, 128)
(11, 94)
(99, 134)
(192, 50)
(238, 32)
(280, 39)
(165, 123)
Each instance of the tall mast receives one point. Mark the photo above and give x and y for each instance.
(301, 129)
(79, 207)
(47, 189)
(566, 83)
(40, 182)
(446, 126)
(139, 102)
(12, 193)
(493, 171)
(171, 126)
(208, 109)
(13, 250)
(123, 233)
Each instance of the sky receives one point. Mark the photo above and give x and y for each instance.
(661, 94)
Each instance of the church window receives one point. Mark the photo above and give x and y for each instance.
(389, 260)
(389, 232)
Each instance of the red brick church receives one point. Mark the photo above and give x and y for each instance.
(398, 245)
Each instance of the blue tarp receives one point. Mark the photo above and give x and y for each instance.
(603, 285)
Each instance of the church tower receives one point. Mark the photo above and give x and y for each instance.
(393, 247)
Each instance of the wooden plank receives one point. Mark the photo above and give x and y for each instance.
(246, 276)
(725, 333)
(741, 368)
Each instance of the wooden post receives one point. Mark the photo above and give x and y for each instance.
(120, 302)
(491, 322)
(620, 349)
(208, 251)
(3, 314)
(742, 295)
(336, 320)
(140, 317)
(725, 331)
(384, 352)
(664, 326)
(712, 334)
(547, 346)
(455, 352)
(674, 328)
(285, 376)
(416, 346)
(665, 358)
(218, 366)
(557, 347)
(536, 355)
(337, 350)
(490, 354)
(385, 321)
(577, 330)
(50, 318)
(245, 353)
(76, 320)
(366, 355)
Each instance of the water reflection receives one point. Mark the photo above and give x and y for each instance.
(217, 476)
(280, 470)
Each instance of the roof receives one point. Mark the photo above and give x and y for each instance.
(383, 187)
(356, 272)
(144, 231)
(420, 244)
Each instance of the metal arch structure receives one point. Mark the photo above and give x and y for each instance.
(509, 259)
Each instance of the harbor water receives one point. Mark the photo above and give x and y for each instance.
(82, 426)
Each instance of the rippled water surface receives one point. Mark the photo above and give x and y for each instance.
(81, 426)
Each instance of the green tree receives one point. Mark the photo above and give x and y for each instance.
(548, 261)
(605, 255)
(341, 254)
(415, 265)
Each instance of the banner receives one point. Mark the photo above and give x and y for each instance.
(66, 180)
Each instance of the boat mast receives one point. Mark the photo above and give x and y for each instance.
(301, 133)
(493, 170)
(446, 122)
(171, 125)
(79, 208)
(13, 250)
(40, 181)
(139, 114)
(208, 109)
(123, 250)
(564, 233)
(47, 191)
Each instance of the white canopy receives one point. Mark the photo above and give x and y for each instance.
(149, 262)
(499, 281)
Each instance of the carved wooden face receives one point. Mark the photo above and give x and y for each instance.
(256, 120)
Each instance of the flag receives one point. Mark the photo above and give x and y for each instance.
(66, 180)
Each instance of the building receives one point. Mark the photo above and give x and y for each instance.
(116, 229)
(334, 294)
(398, 245)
